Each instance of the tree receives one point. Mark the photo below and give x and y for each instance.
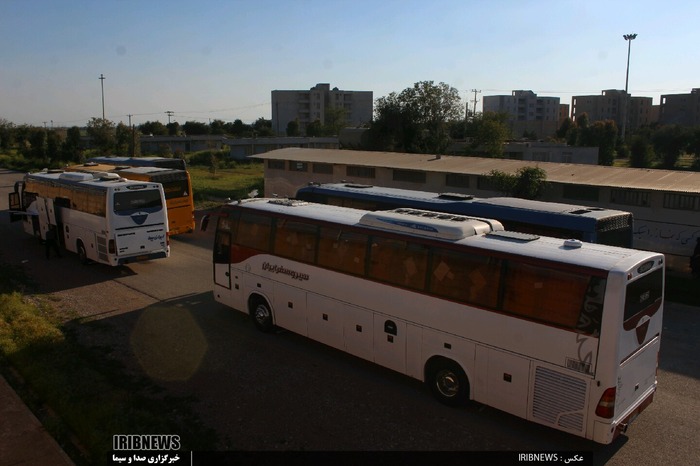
(314, 129)
(416, 120)
(334, 121)
(71, 149)
(263, 128)
(102, 133)
(153, 128)
(694, 146)
(7, 136)
(527, 183)
(192, 128)
(641, 152)
(566, 126)
(217, 127)
(669, 142)
(173, 128)
(53, 146)
(37, 147)
(488, 131)
(293, 128)
(604, 135)
(122, 140)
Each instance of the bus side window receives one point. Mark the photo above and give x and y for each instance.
(342, 251)
(254, 231)
(464, 277)
(552, 296)
(399, 262)
(295, 240)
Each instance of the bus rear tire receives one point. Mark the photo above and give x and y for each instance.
(82, 254)
(447, 382)
(261, 313)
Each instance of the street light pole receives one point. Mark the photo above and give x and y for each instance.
(102, 84)
(629, 38)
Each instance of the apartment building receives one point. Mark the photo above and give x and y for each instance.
(681, 109)
(610, 105)
(527, 112)
(307, 106)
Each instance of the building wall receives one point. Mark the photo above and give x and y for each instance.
(526, 112)
(310, 105)
(610, 106)
(657, 227)
(680, 109)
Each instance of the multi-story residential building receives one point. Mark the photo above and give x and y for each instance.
(681, 109)
(307, 106)
(610, 105)
(527, 112)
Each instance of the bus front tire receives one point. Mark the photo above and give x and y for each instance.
(262, 314)
(447, 382)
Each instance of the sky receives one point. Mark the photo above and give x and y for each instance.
(206, 59)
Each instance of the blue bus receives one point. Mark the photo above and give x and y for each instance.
(590, 224)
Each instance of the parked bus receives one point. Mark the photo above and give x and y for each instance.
(176, 185)
(162, 162)
(590, 224)
(559, 332)
(105, 218)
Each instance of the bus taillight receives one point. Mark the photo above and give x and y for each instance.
(606, 405)
(112, 247)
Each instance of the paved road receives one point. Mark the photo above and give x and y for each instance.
(283, 392)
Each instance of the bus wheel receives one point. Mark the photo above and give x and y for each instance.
(82, 253)
(261, 314)
(448, 382)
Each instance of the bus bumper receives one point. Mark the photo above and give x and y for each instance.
(142, 257)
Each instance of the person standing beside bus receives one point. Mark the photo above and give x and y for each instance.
(695, 260)
(52, 242)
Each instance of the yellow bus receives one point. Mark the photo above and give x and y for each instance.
(176, 185)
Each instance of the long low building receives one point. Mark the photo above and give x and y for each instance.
(665, 203)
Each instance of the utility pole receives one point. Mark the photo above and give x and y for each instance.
(170, 113)
(629, 38)
(475, 100)
(102, 84)
(133, 138)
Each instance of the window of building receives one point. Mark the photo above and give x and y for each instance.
(457, 180)
(412, 176)
(681, 201)
(629, 197)
(323, 168)
(360, 172)
(298, 166)
(580, 192)
(275, 164)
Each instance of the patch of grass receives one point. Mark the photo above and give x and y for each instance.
(91, 394)
(211, 188)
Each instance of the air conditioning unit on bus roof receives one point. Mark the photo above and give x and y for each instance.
(428, 223)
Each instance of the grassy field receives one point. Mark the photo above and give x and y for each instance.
(234, 182)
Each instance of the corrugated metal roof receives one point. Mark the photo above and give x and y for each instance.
(594, 175)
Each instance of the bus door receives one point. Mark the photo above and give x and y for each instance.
(47, 214)
(222, 260)
(14, 201)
